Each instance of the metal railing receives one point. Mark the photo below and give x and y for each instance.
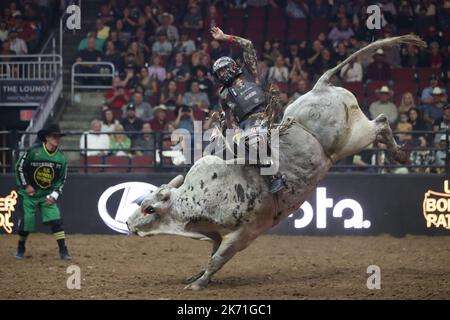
(100, 76)
(161, 156)
(30, 67)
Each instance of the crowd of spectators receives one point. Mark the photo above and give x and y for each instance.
(24, 24)
(163, 55)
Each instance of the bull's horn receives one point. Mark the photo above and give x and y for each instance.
(177, 181)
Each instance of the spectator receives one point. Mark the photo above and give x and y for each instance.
(314, 54)
(379, 70)
(170, 96)
(168, 28)
(342, 31)
(433, 111)
(217, 50)
(117, 97)
(178, 71)
(365, 159)
(403, 126)
(156, 71)
(102, 29)
(384, 106)
(341, 52)
(129, 21)
(3, 30)
(302, 88)
(107, 15)
(213, 19)
(436, 59)
(441, 124)
(193, 19)
(261, 3)
(406, 103)
(279, 72)
(205, 84)
(143, 108)
(138, 53)
(297, 72)
(422, 157)
(141, 40)
(146, 142)
(427, 96)
(267, 53)
(27, 31)
(113, 56)
(441, 155)
(99, 43)
(108, 121)
(416, 120)
(186, 45)
(120, 144)
(90, 54)
(194, 97)
(93, 140)
(297, 9)
(17, 44)
(131, 80)
(318, 8)
(427, 6)
(186, 116)
(149, 85)
(115, 38)
(161, 118)
(352, 72)
(405, 18)
(162, 47)
(6, 50)
(325, 62)
(131, 122)
(409, 56)
(292, 53)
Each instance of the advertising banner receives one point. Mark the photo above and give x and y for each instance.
(23, 91)
(342, 204)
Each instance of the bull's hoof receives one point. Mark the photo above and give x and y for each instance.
(195, 277)
(195, 286)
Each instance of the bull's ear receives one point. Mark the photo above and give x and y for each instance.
(177, 181)
(163, 195)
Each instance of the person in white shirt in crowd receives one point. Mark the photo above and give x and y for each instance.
(352, 72)
(384, 105)
(3, 30)
(18, 45)
(93, 140)
(162, 46)
(186, 46)
(279, 72)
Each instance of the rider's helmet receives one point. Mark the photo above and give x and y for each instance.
(225, 69)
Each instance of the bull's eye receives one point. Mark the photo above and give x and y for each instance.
(148, 210)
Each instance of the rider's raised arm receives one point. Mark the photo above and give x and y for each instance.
(248, 49)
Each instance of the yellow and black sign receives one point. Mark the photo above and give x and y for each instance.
(7, 207)
(43, 176)
(436, 208)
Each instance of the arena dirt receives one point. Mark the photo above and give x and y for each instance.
(273, 267)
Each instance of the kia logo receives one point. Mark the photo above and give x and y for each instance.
(132, 197)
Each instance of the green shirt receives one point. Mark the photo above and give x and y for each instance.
(44, 171)
(124, 146)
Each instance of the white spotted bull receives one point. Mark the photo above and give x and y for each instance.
(230, 204)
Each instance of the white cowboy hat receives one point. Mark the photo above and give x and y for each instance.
(160, 107)
(437, 91)
(384, 89)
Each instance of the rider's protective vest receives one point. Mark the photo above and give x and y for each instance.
(243, 96)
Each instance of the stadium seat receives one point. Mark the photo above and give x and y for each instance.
(117, 160)
(403, 74)
(318, 25)
(235, 22)
(401, 87)
(297, 30)
(357, 88)
(425, 73)
(181, 87)
(276, 27)
(141, 161)
(96, 161)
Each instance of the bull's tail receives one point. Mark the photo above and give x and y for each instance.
(388, 42)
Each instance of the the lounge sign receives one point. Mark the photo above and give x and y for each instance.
(23, 92)
(436, 208)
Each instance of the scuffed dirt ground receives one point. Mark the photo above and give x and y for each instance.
(273, 267)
